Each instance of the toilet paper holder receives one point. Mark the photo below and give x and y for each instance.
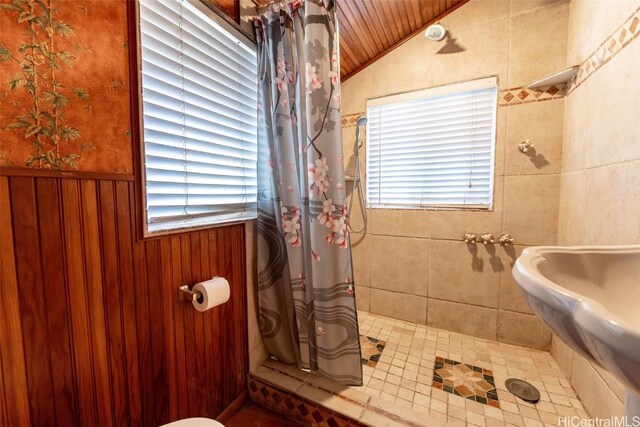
(187, 295)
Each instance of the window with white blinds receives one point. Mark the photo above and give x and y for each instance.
(199, 102)
(432, 148)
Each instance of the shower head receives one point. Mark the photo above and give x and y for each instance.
(361, 121)
(435, 32)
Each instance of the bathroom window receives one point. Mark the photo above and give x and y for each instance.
(199, 108)
(433, 148)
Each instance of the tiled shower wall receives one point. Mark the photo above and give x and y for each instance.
(600, 183)
(412, 264)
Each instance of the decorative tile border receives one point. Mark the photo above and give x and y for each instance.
(609, 48)
(295, 407)
(371, 350)
(523, 95)
(468, 381)
(364, 404)
(350, 119)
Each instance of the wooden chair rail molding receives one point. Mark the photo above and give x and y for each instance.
(91, 330)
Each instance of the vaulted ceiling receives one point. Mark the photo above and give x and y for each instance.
(371, 28)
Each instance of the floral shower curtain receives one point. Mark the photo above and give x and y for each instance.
(305, 281)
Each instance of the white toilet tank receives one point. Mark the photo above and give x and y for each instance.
(194, 422)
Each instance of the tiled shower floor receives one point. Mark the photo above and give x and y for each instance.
(405, 375)
(418, 375)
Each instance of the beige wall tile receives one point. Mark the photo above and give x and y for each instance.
(453, 224)
(510, 295)
(486, 52)
(400, 264)
(519, 7)
(599, 200)
(615, 385)
(612, 205)
(576, 132)
(590, 22)
(467, 319)
(563, 354)
(542, 123)
(593, 391)
(399, 306)
(363, 298)
(257, 356)
(533, 53)
(360, 257)
(502, 115)
(531, 208)
(477, 12)
(611, 121)
(523, 329)
(571, 211)
(381, 78)
(395, 222)
(464, 273)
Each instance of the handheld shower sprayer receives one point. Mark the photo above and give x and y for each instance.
(360, 121)
(357, 181)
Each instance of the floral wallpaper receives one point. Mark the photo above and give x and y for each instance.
(64, 85)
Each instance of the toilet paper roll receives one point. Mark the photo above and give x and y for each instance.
(214, 292)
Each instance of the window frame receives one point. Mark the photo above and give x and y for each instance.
(450, 88)
(137, 125)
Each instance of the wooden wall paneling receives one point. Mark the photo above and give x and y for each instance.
(213, 334)
(4, 415)
(141, 292)
(125, 218)
(156, 386)
(106, 341)
(78, 313)
(112, 302)
(207, 360)
(170, 347)
(239, 265)
(31, 295)
(12, 358)
(224, 344)
(95, 300)
(55, 286)
(361, 14)
(180, 360)
(198, 275)
(188, 326)
(358, 32)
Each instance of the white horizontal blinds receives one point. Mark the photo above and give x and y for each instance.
(199, 91)
(432, 148)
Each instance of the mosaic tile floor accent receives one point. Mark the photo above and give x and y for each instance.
(468, 381)
(371, 349)
(403, 376)
(399, 390)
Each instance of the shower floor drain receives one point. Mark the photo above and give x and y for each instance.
(523, 390)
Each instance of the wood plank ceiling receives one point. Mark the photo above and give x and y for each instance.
(369, 29)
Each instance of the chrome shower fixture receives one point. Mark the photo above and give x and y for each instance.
(435, 32)
(360, 121)
(357, 179)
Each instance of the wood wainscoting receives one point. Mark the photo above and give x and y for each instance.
(91, 330)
